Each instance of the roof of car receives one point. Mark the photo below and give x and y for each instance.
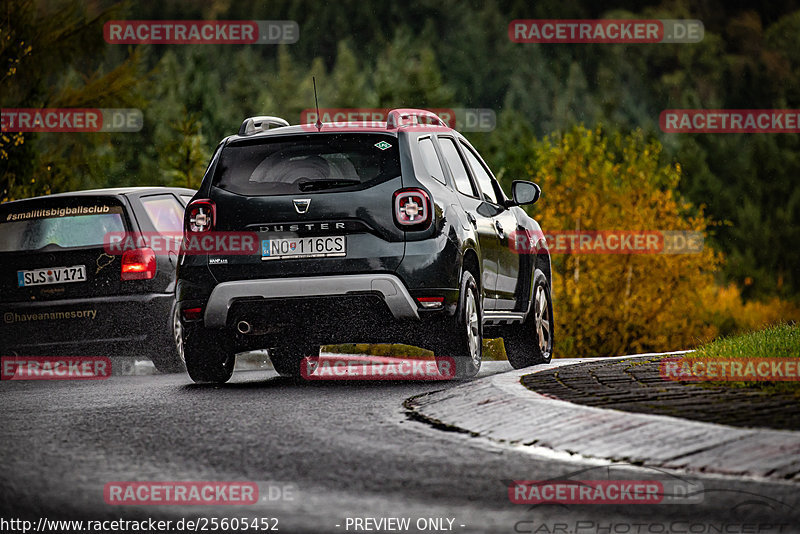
(374, 127)
(112, 191)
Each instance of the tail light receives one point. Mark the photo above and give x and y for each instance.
(138, 264)
(412, 209)
(192, 314)
(201, 216)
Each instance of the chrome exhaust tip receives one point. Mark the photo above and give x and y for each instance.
(244, 327)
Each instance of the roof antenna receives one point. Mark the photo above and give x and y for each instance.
(318, 124)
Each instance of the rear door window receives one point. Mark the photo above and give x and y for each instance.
(165, 212)
(32, 227)
(460, 175)
(430, 159)
(482, 176)
(307, 163)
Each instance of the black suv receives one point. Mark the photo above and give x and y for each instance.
(391, 231)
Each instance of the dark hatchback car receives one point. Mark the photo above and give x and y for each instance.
(63, 293)
(394, 231)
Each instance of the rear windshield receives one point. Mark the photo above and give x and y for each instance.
(307, 163)
(30, 227)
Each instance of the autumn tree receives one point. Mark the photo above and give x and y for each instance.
(52, 56)
(610, 304)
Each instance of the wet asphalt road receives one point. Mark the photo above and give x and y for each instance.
(334, 451)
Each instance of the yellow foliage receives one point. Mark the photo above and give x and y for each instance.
(612, 304)
(733, 316)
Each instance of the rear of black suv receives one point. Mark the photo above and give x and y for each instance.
(356, 241)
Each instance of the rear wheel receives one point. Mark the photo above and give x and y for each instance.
(287, 359)
(463, 343)
(531, 342)
(168, 357)
(209, 356)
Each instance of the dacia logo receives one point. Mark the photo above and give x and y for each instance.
(301, 204)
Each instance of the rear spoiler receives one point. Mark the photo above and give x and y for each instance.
(406, 117)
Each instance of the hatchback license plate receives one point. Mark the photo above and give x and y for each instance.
(303, 247)
(51, 275)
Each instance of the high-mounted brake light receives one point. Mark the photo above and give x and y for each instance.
(138, 264)
(201, 216)
(412, 209)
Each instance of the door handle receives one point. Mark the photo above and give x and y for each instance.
(499, 228)
(471, 218)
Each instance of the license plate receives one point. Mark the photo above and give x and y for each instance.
(51, 275)
(303, 247)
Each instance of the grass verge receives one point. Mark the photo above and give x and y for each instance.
(779, 341)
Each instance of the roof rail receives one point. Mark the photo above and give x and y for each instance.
(403, 117)
(260, 124)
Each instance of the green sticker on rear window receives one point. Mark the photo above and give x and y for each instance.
(383, 145)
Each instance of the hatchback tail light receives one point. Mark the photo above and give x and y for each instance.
(138, 264)
(412, 209)
(201, 216)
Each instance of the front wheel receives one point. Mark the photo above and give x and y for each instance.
(463, 344)
(531, 343)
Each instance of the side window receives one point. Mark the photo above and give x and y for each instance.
(482, 176)
(456, 164)
(165, 212)
(430, 159)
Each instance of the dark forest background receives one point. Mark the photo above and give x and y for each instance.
(436, 54)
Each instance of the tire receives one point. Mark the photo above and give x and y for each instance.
(168, 357)
(464, 340)
(531, 343)
(208, 355)
(287, 359)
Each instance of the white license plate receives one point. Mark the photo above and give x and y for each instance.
(303, 247)
(51, 275)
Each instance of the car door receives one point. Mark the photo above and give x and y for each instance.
(478, 213)
(504, 223)
(163, 214)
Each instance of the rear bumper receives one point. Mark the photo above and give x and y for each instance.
(389, 287)
(122, 325)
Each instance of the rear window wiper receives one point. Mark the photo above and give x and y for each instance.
(315, 185)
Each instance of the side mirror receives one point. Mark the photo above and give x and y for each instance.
(525, 192)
